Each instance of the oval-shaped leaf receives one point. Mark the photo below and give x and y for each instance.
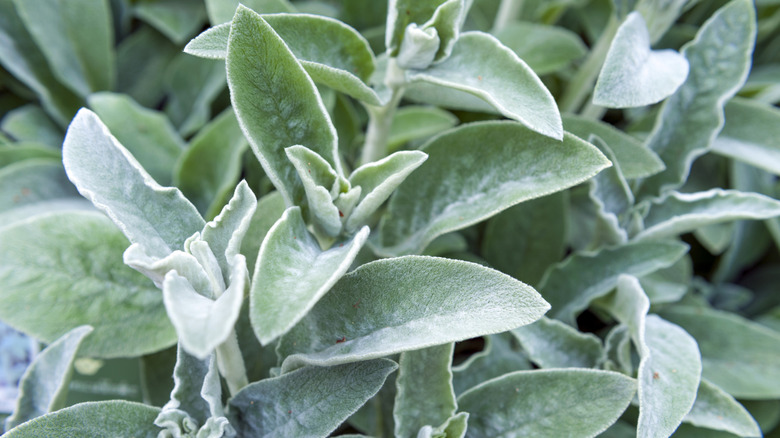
(413, 122)
(105, 419)
(553, 344)
(461, 184)
(293, 273)
(74, 259)
(434, 301)
(311, 401)
(480, 65)
(275, 114)
(715, 409)
(519, 404)
(545, 49)
(159, 218)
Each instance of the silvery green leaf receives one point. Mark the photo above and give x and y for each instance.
(293, 274)
(222, 11)
(159, 218)
(155, 268)
(44, 386)
(27, 151)
(208, 169)
(202, 323)
(211, 43)
(418, 47)
(546, 49)
(501, 355)
(524, 240)
(571, 285)
(635, 160)
(716, 237)
(715, 409)
(553, 344)
(32, 181)
(611, 196)
(519, 404)
(377, 182)
(480, 65)
(375, 417)
(146, 133)
(617, 350)
(176, 19)
(670, 284)
(454, 427)
(74, 259)
(738, 355)
(412, 122)
(460, 185)
(142, 59)
(402, 12)
(433, 304)
(191, 85)
(635, 75)
(93, 419)
(311, 401)
(719, 59)
(660, 14)
(321, 187)
(447, 20)
(750, 134)
(265, 106)
(425, 394)
(30, 123)
(76, 38)
(25, 212)
(677, 213)
(22, 58)
(269, 209)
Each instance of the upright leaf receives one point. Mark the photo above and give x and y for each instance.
(519, 404)
(191, 85)
(269, 209)
(311, 401)
(275, 114)
(433, 303)
(460, 185)
(159, 218)
(719, 59)
(400, 13)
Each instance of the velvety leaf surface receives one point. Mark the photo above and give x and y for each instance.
(633, 74)
(480, 65)
(571, 285)
(159, 218)
(413, 122)
(432, 303)
(750, 134)
(269, 209)
(715, 409)
(678, 213)
(553, 344)
(460, 185)
(400, 13)
(311, 401)
(44, 386)
(293, 273)
(74, 259)
(105, 419)
(502, 354)
(146, 133)
(719, 59)
(544, 48)
(611, 198)
(425, 395)
(739, 356)
(76, 37)
(275, 114)
(32, 181)
(571, 402)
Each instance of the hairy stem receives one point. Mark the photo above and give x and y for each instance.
(231, 364)
(380, 118)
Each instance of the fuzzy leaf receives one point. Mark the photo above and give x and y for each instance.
(433, 304)
(715, 409)
(311, 401)
(414, 122)
(44, 386)
(30, 182)
(293, 273)
(275, 114)
(545, 49)
(719, 59)
(176, 19)
(74, 259)
(76, 37)
(460, 185)
(146, 133)
(678, 213)
(750, 134)
(321, 188)
(191, 85)
(633, 74)
(221, 11)
(425, 395)
(519, 404)
(30, 123)
(269, 209)
(102, 419)
(480, 65)
(553, 344)
(571, 285)
(501, 355)
(741, 357)
(159, 218)
(400, 13)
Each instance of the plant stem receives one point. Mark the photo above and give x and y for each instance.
(582, 83)
(231, 364)
(380, 118)
(508, 11)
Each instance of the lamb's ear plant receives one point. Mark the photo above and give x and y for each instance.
(453, 219)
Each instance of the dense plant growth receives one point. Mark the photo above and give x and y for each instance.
(431, 218)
